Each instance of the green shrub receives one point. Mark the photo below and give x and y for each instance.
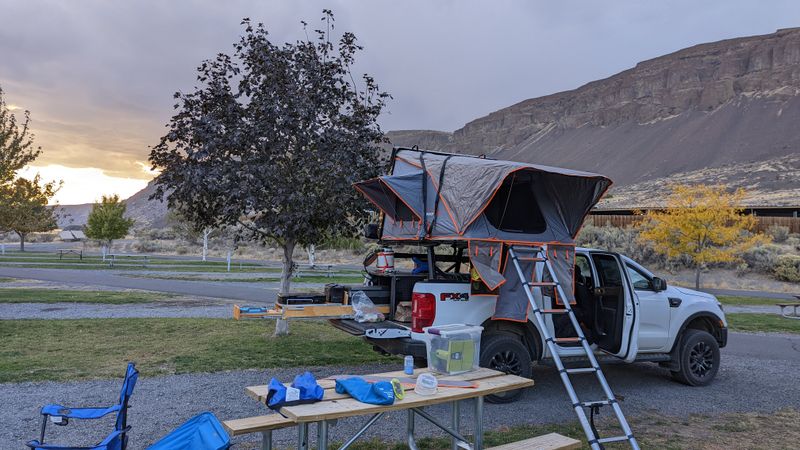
(146, 246)
(778, 233)
(761, 258)
(341, 243)
(621, 240)
(787, 268)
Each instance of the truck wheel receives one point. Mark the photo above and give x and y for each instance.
(699, 358)
(506, 353)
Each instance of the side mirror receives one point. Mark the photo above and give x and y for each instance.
(659, 284)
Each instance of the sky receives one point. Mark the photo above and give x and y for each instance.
(98, 76)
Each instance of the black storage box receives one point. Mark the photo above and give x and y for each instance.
(300, 298)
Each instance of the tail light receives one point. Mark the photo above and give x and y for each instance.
(423, 311)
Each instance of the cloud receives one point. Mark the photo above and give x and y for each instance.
(98, 76)
(84, 185)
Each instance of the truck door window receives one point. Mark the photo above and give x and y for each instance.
(639, 280)
(582, 262)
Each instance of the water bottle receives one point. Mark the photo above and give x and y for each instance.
(408, 365)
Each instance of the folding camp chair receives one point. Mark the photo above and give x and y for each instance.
(60, 415)
(201, 432)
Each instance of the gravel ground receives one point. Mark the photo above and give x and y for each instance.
(758, 373)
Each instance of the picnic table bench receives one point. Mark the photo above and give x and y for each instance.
(299, 269)
(334, 406)
(66, 251)
(793, 305)
(136, 258)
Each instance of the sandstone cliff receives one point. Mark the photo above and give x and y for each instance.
(710, 105)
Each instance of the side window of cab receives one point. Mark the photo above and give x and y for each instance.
(640, 281)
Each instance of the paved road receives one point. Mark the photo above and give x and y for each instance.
(263, 294)
(758, 373)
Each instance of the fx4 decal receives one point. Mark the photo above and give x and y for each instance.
(454, 296)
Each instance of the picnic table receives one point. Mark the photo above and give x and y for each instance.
(793, 305)
(143, 259)
(298, 269)
(66, 251)
(335, 406)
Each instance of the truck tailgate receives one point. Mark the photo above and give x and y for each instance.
(358, 329)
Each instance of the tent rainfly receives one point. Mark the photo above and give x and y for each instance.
(433, 196)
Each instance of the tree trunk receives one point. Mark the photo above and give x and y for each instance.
(21, 241)
(697, 276)
(206, 232)
(282, 326)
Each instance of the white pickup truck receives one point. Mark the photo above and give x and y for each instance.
(626, 312)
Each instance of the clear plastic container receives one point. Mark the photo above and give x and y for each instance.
(453, 349)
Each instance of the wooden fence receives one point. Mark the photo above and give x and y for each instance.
(793, 223)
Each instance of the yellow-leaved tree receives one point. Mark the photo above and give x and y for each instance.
(704, 223)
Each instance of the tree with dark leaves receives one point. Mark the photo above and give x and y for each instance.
(273, 139)
(16, 142)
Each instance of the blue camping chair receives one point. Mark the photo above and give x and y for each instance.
(117, 440)
(201, 432)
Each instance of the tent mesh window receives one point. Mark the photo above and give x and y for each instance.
(514, 208)
(402, 211)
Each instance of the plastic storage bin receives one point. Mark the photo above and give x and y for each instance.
(453, 349)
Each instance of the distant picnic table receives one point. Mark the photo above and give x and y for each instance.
(299, 269)
(793, 305)
(132, 257)
(67, 251)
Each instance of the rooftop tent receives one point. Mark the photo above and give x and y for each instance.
(439, 196)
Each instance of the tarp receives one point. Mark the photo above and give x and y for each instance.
(431, 195)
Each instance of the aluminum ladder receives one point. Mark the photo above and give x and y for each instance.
(595, 441)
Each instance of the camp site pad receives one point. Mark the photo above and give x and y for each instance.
(337, 406)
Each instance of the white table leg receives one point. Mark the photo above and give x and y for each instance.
(302, 436)
(266, 440)
(322, 435)
(412, 444)
(478, 423)
(456, 413)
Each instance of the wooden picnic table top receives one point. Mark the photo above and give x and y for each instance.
(336, 406)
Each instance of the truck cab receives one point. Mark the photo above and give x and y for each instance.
(626, 312)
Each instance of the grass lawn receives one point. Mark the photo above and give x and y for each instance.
(733, 430)
(33, 295)
(762, 322)
(736, 300)
(34, 350)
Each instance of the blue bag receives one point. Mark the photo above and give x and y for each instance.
(304, 389)
(380, 393)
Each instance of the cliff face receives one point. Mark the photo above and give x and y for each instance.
(146, 213)
(705, 106)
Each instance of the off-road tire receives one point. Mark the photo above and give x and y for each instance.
(699, 358)
(507, 353)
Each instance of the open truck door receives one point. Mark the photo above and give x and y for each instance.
(616, 318)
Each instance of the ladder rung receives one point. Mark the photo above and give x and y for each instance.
(566, 340)
(553, 311)
(582, 370)
(596, 402)
(612, 439)
(533, 259)
(542, 283)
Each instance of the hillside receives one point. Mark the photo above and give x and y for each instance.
(712, 105)
(146, 213)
